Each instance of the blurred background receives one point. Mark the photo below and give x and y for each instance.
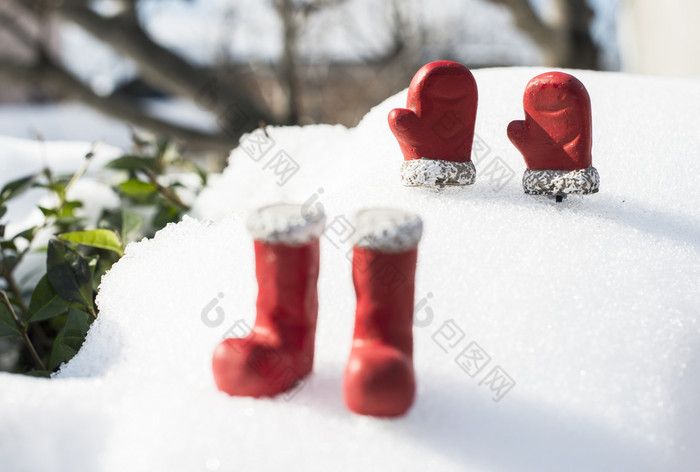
(202, 72)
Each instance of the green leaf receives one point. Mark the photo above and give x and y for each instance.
(68, 220)
(132, 163)
(202, 174)
(10, 262)
(164, 215)
(103, 264)
(70, 338)
(137, 189)
(8, 246)
(27, 234)
(68, 207)
(69, 273)
(48, 211)
(57, 322)
(39, 373)
(8, 327)
(46, 303)
(3, 210)
(130, 222)
(59, 186)
(92, 263)
(16, 187)
(99, 238)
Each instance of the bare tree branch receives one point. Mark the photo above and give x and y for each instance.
(582, 51)
(293, 15)
(11, 24)
(290, 15)
(399, 30)
(567, 42)
(159, 65)
(53, 76)
(237, 113)
(526, 19)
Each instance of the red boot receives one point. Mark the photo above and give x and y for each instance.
(379, 378)
(279, 351)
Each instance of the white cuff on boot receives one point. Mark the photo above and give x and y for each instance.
(387, 230)
(436, 172)
(559, 182)
(285, 223)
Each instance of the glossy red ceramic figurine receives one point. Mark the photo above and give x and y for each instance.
(379, 377)
(279, 351)
(436, 129)
(555, 139)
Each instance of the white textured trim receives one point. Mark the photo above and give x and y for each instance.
(387, 230)
(560, 182)
(436, 172)
(285, 223)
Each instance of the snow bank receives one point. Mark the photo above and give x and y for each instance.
(587, 311)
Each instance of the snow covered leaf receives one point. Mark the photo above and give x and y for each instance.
(69, 273)
(99, 238)
(46, 303)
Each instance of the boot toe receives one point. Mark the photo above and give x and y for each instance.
(379, 381)
(245, 368)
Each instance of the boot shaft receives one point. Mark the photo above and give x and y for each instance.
(383, 270)
(287, 286)
(384, 284)
(286, 244)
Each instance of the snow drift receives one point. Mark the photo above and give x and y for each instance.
(586, 309)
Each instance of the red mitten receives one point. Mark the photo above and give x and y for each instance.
(379, 377)
(555, 139)
(436, 130)
(279, 351)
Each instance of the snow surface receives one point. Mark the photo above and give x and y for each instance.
(590, 306)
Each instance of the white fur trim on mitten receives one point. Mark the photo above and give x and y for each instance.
(560, 182)
(436, 172)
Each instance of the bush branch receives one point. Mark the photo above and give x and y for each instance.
(22, 330)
